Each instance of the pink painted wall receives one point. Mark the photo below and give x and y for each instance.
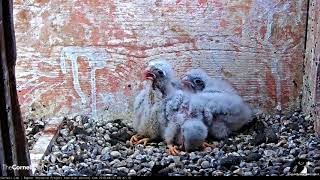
(85, 56)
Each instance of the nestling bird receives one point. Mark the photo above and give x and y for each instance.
(194, 134)
(175, 117)
(197, 80)
(223, 109)
(149, 105)
(188, 132)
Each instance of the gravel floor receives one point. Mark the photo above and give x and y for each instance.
(266, 147)
(33, 129)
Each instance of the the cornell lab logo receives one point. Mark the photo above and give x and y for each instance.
(300, 167)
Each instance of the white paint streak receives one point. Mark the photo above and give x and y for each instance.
(276, 72)
(97, 58)
(299, 8)
(269, 25)
(76, 82)
(93, 91)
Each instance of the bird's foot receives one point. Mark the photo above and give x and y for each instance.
(135, 138)
(173, 150)
(143, 141)
(205, 145)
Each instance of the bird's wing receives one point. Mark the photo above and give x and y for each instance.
(219, 85)
(229, 108)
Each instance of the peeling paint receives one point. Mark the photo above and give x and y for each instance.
(86, 57)
(97, 58)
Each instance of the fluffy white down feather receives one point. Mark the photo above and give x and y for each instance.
(224, 111)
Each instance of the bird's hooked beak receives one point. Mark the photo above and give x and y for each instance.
(186, 82)
(148, 74)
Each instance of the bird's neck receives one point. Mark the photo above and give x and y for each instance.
(168, 89)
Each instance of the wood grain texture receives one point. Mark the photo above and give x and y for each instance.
(85, 56)
(311, 85)
(13, 148)
(45, 142)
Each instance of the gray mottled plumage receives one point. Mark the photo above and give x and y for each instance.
(194, 134)
(149, 104)
(175, 116)
(224, 111)
(183, 129)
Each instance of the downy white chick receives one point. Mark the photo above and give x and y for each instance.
(194, 134)
(223, 109)
(149, 105)
(189, 132)
(175, 116)
(197, 80)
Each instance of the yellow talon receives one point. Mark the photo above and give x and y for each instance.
(173, 150)
(205, 145)
(144, 141)
(134, 139)
(138, 139)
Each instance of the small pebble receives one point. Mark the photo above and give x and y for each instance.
(205, 164)
(85, 147)
(115, 154)
(132, 172)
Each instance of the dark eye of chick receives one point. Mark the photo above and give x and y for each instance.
(160, 73)
(198, 81)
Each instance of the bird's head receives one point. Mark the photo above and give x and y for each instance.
(195, 80)
(159, 72)
(194, 133)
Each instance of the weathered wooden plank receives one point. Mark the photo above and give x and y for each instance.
(3, 172)
(15, 151)
(311, 86)
(6, 131)
(45, 141)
